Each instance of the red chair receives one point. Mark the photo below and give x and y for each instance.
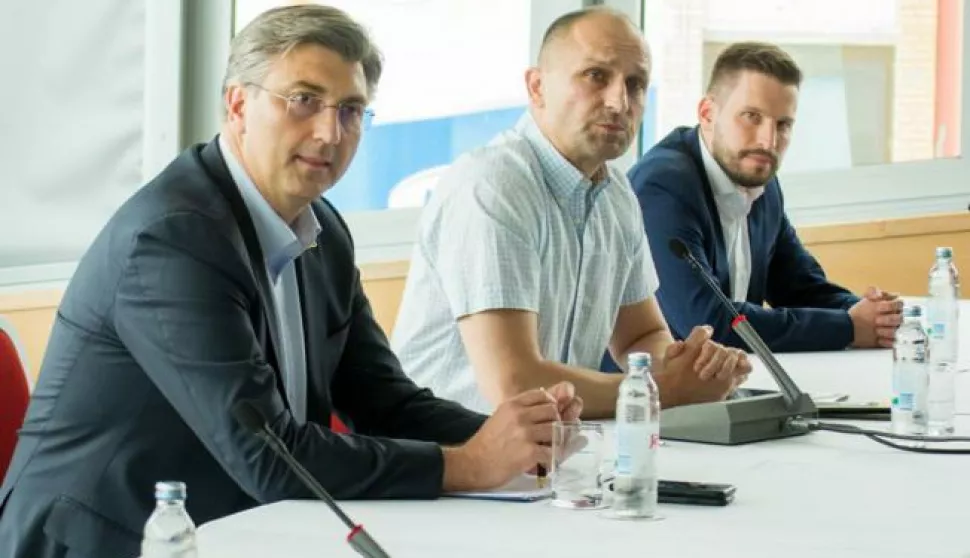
(338, 425)
(14, 394)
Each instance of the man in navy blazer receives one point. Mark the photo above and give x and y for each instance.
(715, 188)
(228, 279)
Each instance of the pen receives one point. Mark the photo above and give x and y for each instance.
(540, 469)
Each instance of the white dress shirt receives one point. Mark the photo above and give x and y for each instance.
(733, 206)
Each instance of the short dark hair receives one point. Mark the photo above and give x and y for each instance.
(764, 58)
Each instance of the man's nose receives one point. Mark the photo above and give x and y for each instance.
(327, 127)
(617, 97)
(768, 136)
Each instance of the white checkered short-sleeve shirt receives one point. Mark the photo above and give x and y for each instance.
(514, 225)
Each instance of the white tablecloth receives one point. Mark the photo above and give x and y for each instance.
(821, 495)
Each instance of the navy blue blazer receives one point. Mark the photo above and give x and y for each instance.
(166, 324)
(807, 312)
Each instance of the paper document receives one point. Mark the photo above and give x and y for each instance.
(524, 488)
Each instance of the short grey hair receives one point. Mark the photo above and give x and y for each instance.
(276, 32)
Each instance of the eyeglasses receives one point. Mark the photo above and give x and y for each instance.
(353, 116)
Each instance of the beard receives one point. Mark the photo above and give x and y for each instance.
(731, 164)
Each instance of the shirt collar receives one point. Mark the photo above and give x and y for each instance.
(280, 243)
(730, 196)
(562, 177)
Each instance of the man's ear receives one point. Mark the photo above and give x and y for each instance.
(533, 84)
(235, 102)
(707, 112)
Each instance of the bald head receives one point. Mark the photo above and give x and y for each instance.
(587, 21)
(588, 90)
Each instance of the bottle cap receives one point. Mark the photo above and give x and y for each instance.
(914, 311)
(639, 360)
(169, 490)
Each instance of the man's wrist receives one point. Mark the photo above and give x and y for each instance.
(459, 470)
(849, 330)
(670, 395)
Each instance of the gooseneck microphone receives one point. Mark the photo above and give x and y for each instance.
(253, 420)
(741, 326)
(765, 415)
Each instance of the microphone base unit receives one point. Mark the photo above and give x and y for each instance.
(758, 416)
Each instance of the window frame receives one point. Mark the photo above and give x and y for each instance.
(858, 194)
(183, 106)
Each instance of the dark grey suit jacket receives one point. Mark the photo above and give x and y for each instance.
(162, 328)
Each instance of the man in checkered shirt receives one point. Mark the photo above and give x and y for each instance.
(531, 256)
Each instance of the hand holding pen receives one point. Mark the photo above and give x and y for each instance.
(569, 406)
(516, 437)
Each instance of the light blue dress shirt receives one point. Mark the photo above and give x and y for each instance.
(281, 244)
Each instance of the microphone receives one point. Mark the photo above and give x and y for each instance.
(741, 326)
(253, 420)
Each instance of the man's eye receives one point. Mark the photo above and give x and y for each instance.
(352, 110)
(303, 99)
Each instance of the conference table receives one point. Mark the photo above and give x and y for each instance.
(822, 494)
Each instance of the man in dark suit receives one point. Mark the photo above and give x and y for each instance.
(227, 278)
(714, 187)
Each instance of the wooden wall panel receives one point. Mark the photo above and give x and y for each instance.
(31, 314)
(384, 286)
(894, 254)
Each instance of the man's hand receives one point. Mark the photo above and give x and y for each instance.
(569, 404)
(512, 441)
(875, 319)
(698, 370)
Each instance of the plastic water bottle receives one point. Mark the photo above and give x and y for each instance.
(169, 532)
(637, 441)
(943, 321)
(910, 374)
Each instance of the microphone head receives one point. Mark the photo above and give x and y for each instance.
(679, 249)
(249, 416)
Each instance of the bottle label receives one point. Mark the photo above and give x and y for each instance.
(910, 380)
(633, 442)
(633, 414)
(904, 401)
(636, 447)
(944, 346)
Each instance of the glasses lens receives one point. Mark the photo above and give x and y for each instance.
(368, 119)
(351, 117)
(303, 106)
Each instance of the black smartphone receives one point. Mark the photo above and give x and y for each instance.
(695, 493)
(855, 411)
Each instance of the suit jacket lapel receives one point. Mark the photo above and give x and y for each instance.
(718, 259)
(311, 285)
(216, 166)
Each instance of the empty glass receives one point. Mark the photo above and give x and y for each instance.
(577, 453)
